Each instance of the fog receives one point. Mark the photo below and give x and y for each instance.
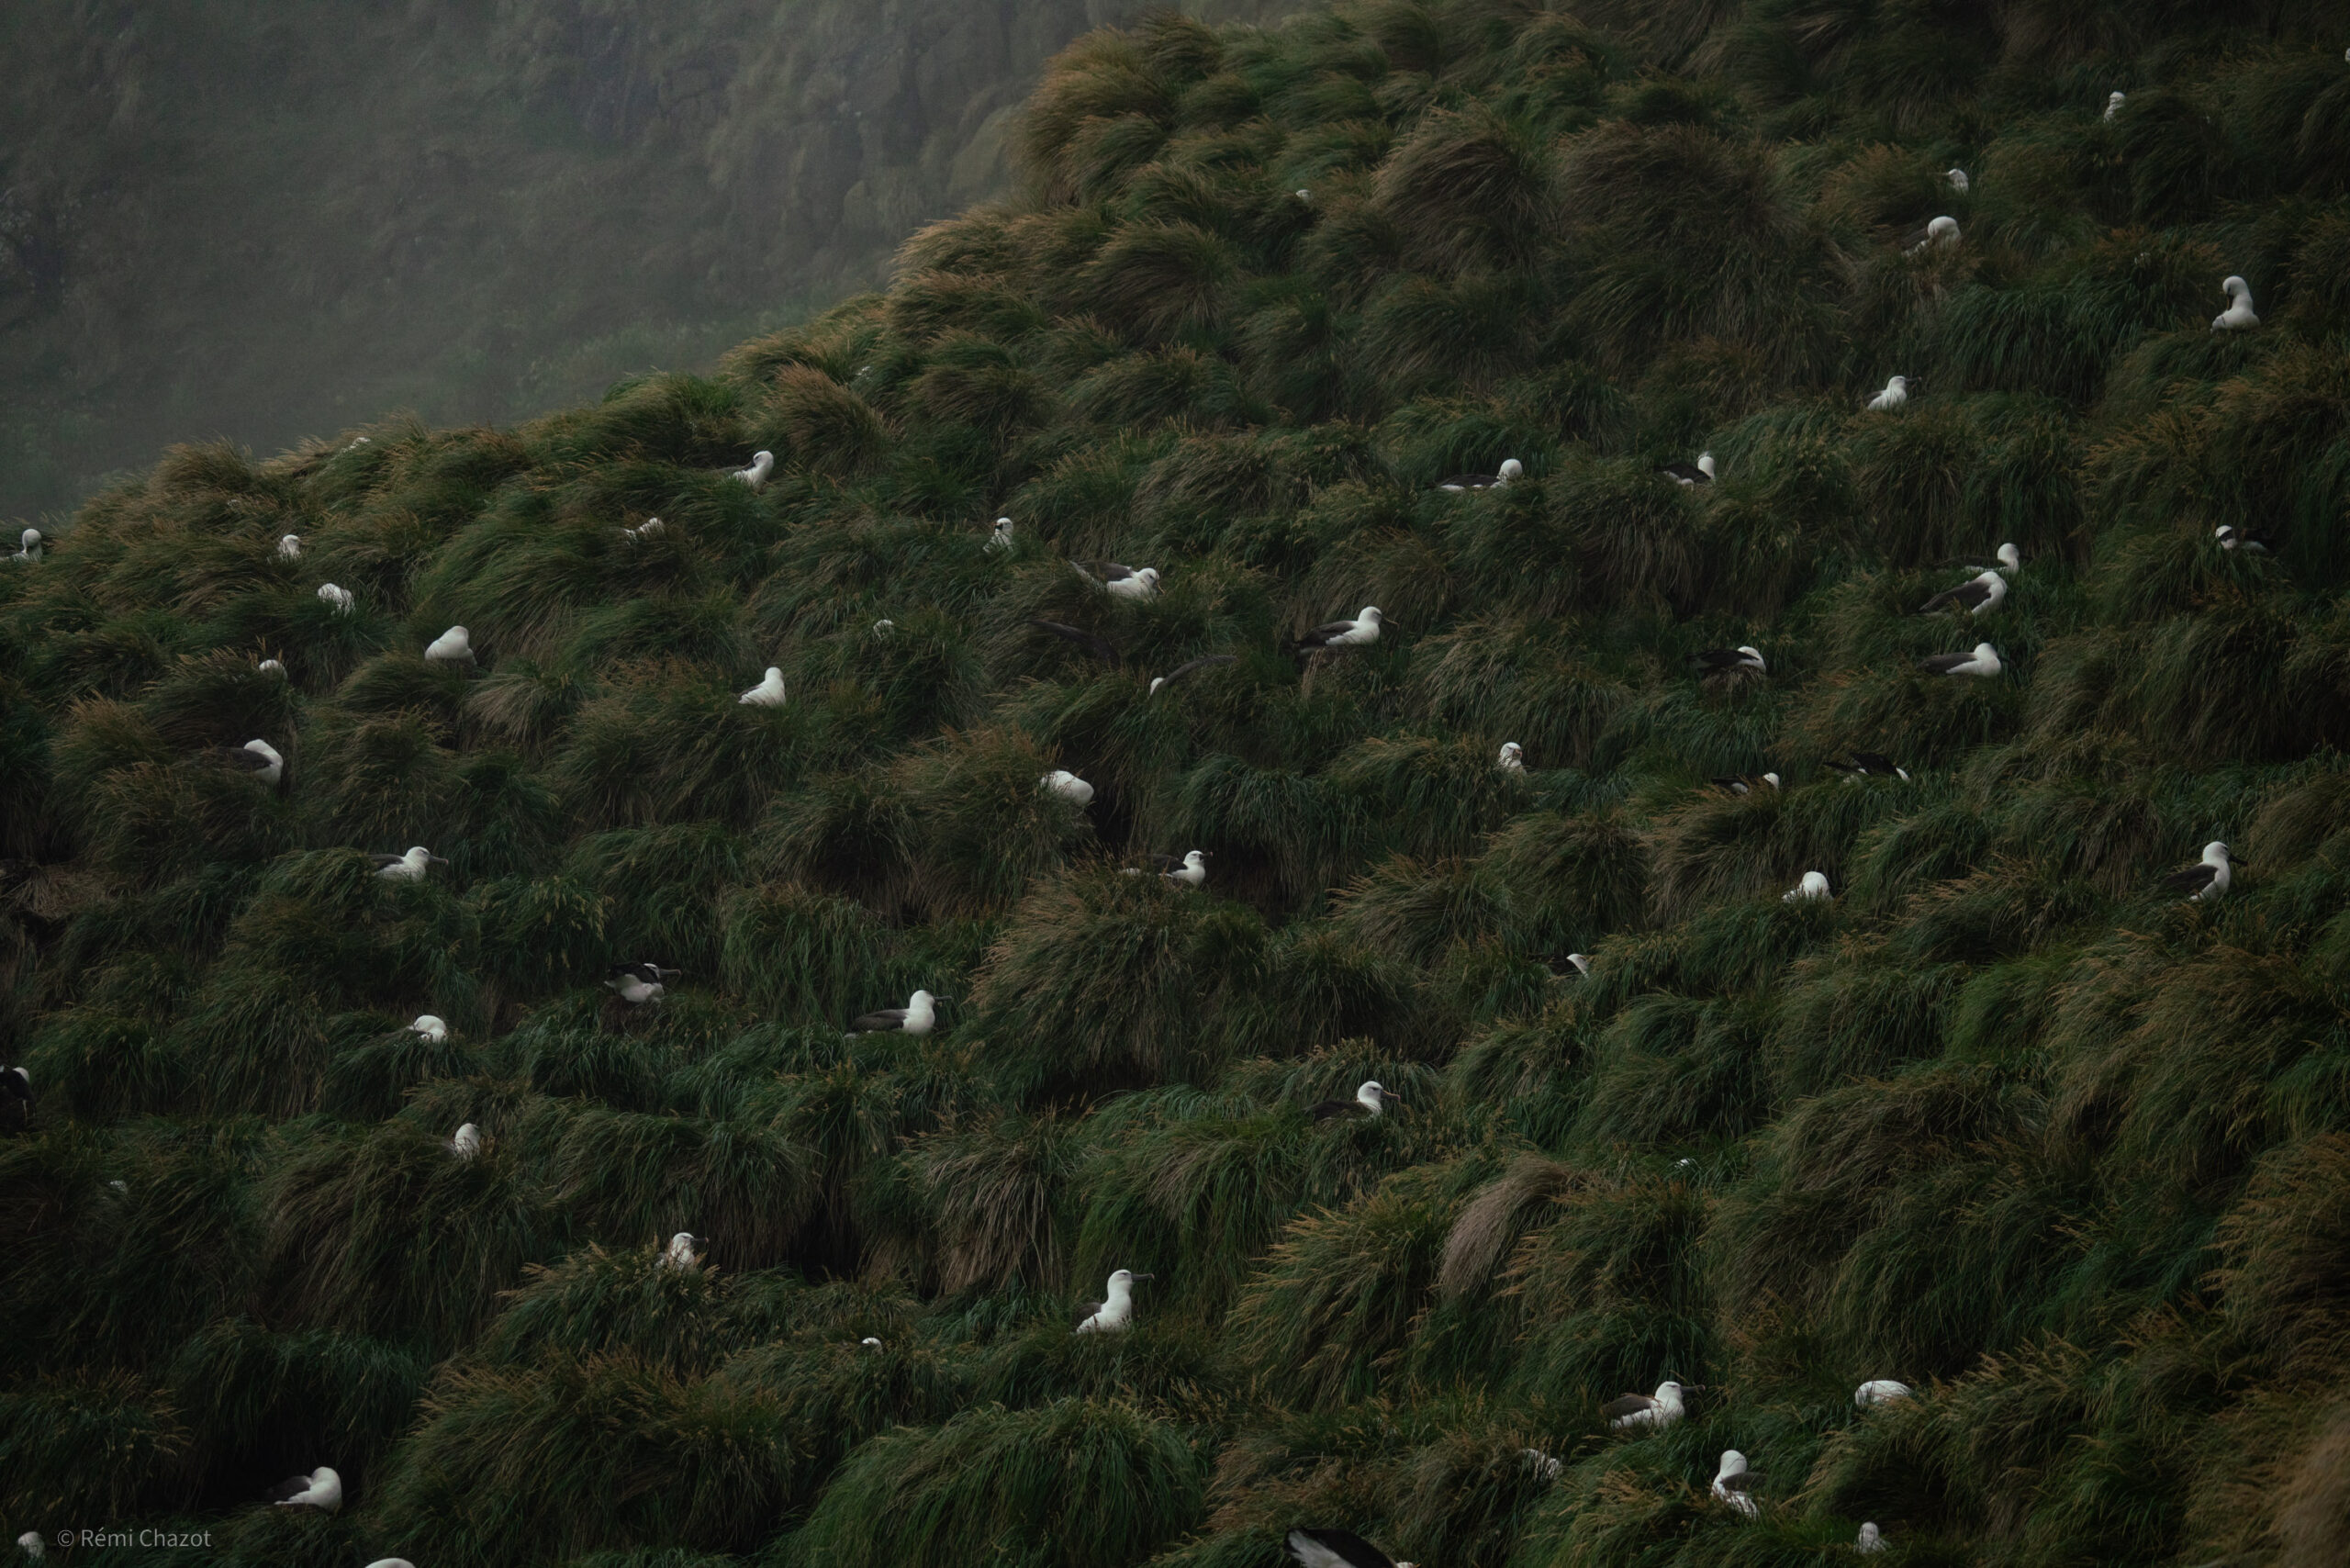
(264, 220)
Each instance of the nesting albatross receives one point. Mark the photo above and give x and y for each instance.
(1370, 1098)
(408, 868)
(322, 1489)
(1646, 1412)
(917, 1018)
(1337, 1549)
(1112, 1315)
(2209, 879)
(1983, 661)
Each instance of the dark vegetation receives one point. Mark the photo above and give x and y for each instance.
(2004, 1120)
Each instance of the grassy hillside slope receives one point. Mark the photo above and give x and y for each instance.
(2005, 1118)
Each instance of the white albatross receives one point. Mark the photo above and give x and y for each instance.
(768, 693)
(31, 1545)
(1191, 872)
(27, 549)
(1646, 1412)
(1814, 886)
(1979, 596)
(1983, 661)
(408, 868)
(2006, 561)
(642, 530)
(2234, 538)
(2238, 317)
(322, 1489)
(1732, 1482)
(2114, 102)
(762, 464)
(1942, 234)
(339, 597)
(1371, 1097)
(466, 1144)
(684, 1251)
(1512, 470)
(290, 547)
(1698, 473)
(1112, 1315)
(917, 1018)
(637, 984)
(1957, 178)
(1317, 1548)
(430, 1026)
(999, 537)
(1062, 784)
(258, 758)
(2211, 878)
(450, 647)
(1360, 632)
(1870, 1543)
(1895, 393)
(1582, 963)
(1127, 582)
(269, 666)
(1879, 1391)
(1512, 759)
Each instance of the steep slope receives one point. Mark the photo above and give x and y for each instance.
(2006, 1116)
(258, 222)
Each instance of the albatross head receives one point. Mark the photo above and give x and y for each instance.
(2235, 288)
(1374, 1096)
(1370, 616)
(1734, 1463)
(1511, 469)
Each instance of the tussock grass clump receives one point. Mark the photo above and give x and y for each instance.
(1078, 1480)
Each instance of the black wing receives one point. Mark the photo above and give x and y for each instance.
(1874, 762)
(1468, 482)
(284, 1489)
(2194, 880)
(238, 757)
(1942, 664)
(1631, 1404)
(382, 860)
(1109, 571)
(1720, 658)
(1336, 1548)
(17, 1084)
(1739, 786)
(1195, 666)
(1688, 472)
(1965, 595)
(1088, 1309)
(1101, 647)
(1330, 1108)
(1322, 634)
(887, 1019)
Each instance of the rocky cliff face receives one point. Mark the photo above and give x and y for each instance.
(259, 219)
